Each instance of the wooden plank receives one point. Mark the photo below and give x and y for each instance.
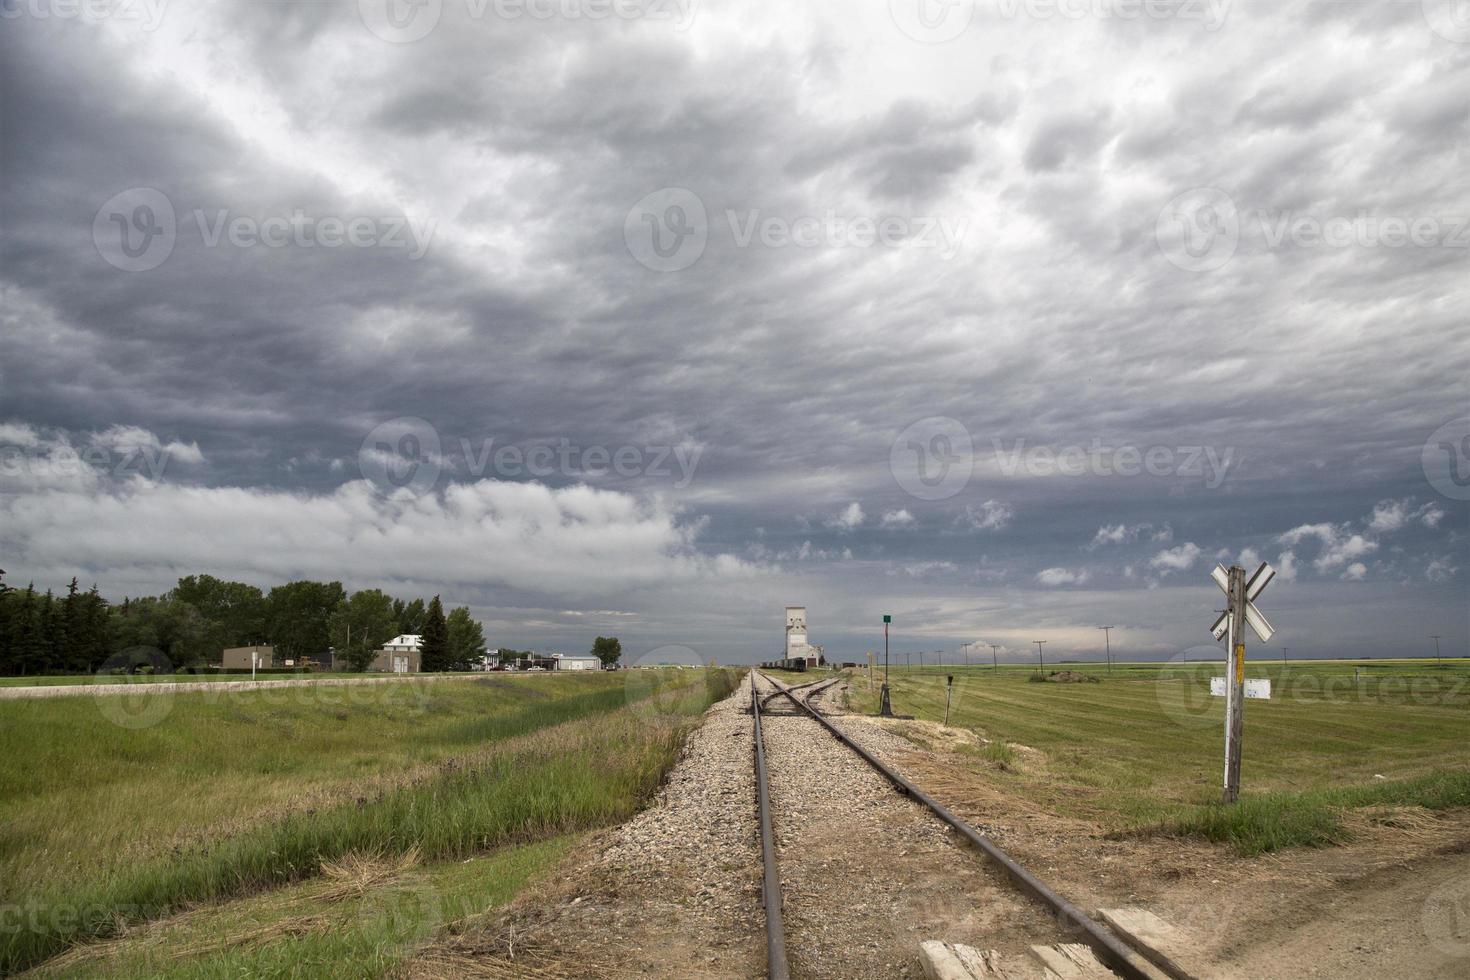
(940, 962)
(1071, 961)
(1159, 941)
(989, 965)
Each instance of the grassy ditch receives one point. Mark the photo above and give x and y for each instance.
(1140, 752)
(544, 761)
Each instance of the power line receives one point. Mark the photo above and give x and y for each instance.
(1040, 656)
(1108, 639)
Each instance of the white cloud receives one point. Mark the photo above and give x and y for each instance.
(1113, 535)
(1249, 559)
(897, 518)
(1389, 515)
(1286, 566)
(1394, 515)
(576, 541)
(1339, 545)
(129, 439)
(1052, 577)
(1440, 570)
(18, 434)
(1176, 559)
(1355, 572)
(848, 518)
(992, 515)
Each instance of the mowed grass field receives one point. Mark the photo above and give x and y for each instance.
(1142, 750)
(110, 817)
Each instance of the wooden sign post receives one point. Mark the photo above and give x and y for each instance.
(1239, 610)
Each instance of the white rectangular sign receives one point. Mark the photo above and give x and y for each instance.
(1256, 688)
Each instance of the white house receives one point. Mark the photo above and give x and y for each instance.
(567, 661)
(404, 643)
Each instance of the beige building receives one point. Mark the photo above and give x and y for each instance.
(243, 658)
(399, 655)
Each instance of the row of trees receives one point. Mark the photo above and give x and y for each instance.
(201, 615)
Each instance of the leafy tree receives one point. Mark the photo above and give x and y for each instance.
(174, 627)
(466, 639)
(297, 615)
(607, 649)
(359, 627)
(235, 613)
(409, 616)
(434, 651)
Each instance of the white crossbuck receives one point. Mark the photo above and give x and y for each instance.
(1253, 588)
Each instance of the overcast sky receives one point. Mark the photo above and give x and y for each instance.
(651, 317)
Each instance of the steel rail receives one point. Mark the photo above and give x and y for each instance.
(795, 687)
(771, 884)
(1109, 949)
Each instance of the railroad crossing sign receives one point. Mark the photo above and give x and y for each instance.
(1240, 609)
(1253, 588)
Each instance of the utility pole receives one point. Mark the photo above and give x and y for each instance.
(1284, 652)
(885, 708)
(995, 657)
(1040, 655)
(1108, 639)
(1435, 637)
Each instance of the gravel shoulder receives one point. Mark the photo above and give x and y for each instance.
(673, 892)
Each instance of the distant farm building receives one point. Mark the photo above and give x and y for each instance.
(400, 655)
(244, 658)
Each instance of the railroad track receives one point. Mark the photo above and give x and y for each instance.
(1108, 949)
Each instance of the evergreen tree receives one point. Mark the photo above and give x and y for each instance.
(68, 636)
(434, 651)
(29, 644)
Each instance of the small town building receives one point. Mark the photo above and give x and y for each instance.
(567, 661)
(400, 655)
(244, 658)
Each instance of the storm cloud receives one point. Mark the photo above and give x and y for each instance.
(654, 321)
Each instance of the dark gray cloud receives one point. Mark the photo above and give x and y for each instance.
(1024, 293)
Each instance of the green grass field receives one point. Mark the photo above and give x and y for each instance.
(231, 793)
(69, 680)
(1142, 749)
